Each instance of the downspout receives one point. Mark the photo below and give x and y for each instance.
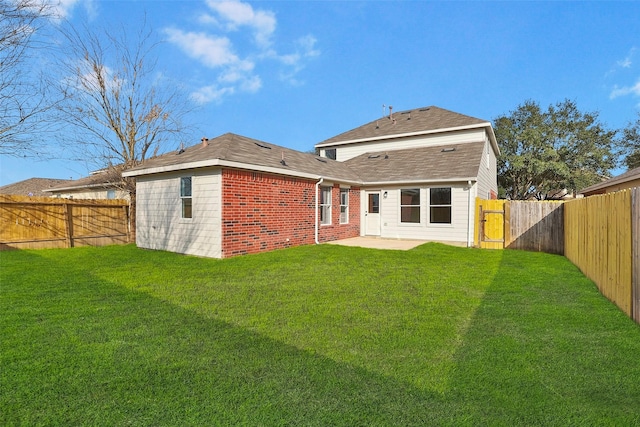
(470, 218)
(317, 207)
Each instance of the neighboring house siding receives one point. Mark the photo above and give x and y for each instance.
(349, 151)
(90, 194)
(487, 174)
(457, 231)
(159, 214)
(263, 212)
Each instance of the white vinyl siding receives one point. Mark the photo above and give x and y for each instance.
(457, 231)
(349, 151)
(159, 223)
(487, 173)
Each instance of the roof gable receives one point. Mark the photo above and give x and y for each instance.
(409, 122)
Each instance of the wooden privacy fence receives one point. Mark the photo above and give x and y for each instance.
(42, 222)
(534, 226)
(599, 234)
(602, 238)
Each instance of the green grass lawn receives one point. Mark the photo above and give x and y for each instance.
(318, 335)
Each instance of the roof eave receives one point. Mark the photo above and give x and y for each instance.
(80, 187)
(406, 134)
(235, 165)
(420, 181)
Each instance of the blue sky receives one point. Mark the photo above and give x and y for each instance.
(295, 73)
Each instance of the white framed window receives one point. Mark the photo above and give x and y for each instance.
(344, 206)
(410, 205)
(325, 205)
(186, 200)
(440, 205)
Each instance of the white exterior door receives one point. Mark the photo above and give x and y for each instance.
(372, 214)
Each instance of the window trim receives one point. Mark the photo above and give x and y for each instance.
(419, 206)
(184, 198)
(324, 206)
(345, 206)
(450, 206)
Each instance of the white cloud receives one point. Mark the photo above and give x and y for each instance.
(216, 47)
(235, 14)
(211, 93)
(625, 90)
(210, 50)
(63, 8)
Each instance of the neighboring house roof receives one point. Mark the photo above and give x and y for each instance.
(419, 121)
(631, 175)
(105, 178)
(435, 163)
(237, 151)
(33, 187)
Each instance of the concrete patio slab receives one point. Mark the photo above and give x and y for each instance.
(378, 243)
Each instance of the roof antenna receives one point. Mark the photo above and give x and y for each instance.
(384, 110)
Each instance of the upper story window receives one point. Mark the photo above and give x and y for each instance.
(410, 205)
(325, 205)
(440, 205)
(330, 153)
(185, 197)
(344, 205)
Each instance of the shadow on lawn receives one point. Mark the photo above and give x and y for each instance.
(545, 348)
(91, 353)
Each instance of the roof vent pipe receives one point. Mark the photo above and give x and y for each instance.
(205, 141)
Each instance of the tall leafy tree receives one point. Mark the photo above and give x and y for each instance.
(547, 152)
(630, 144)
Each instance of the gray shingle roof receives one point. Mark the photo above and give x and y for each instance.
(240, 149)
(629, 175)
(444, 162)
(410, 121)
(416, 164)
(32, 186)
(107, 178)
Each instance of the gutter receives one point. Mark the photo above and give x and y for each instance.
(317, 207)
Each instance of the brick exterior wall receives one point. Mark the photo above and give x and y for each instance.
(263, 212)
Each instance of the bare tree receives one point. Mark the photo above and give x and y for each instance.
(117, 110)
(23, 93)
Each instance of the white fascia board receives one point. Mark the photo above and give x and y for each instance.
(419, 181)
(234, 165)
(408, 134)
(81, 187)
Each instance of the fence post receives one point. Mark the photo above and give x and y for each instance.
(480, 226)
(68, 221)
(506, 219)
(635, 254)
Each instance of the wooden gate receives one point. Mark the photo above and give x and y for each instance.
(490, 224)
